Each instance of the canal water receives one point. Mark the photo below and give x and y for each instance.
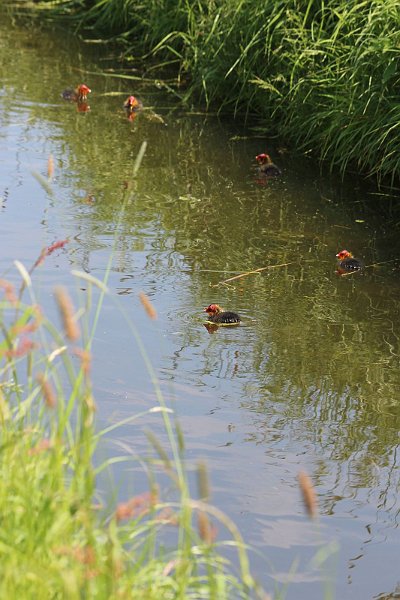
(309, 380)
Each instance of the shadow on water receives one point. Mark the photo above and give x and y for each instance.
(311, 377)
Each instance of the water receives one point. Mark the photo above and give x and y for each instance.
(310, 380)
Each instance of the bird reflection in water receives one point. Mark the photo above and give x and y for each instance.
(82, 107)
(211, 327)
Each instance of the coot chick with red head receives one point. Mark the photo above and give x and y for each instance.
(219, 316)
(347, 262)
(132, 104)
(132, 107)
(266, 166)
(79, 94)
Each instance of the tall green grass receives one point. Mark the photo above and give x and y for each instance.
(323, 76)
(58, 538)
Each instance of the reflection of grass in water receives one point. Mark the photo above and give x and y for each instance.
(321, 75)
(57, 540)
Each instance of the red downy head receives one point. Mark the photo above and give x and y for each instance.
(132, 103)
(82, 91)
(213, 309)
(263, 159)
(344, 254)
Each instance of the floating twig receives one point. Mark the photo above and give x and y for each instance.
(383, 262)
(246, 273)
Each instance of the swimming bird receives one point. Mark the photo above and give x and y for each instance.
(266, 166)
(132, 104)
(79, 94)
(347, 263)
(217, 315)
(132, 107)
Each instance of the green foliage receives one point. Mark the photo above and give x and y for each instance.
(322, 75)
(56, 540)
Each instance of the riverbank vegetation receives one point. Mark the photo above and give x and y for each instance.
(321, 77)
(60, 537)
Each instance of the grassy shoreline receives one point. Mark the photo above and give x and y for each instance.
(323, 77)
(59, 539)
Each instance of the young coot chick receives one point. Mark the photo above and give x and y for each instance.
(266, 166)
(219, 316)
(347, 262)
(79, 94)
(132, 104)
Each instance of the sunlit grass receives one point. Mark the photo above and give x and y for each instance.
(322, 76)
(58, 538)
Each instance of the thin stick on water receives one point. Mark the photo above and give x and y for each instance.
(246, 273)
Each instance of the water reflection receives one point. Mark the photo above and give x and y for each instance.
(310, 379)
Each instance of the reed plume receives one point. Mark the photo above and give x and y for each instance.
(308, 493)
(207, 531)
(202, 482)
(65, 307)
(47, 390)
(50, 167)
(148, 307)
(9, 291)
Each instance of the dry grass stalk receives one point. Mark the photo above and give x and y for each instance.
(41, 446)
(85, 555)
(4, 408)
(47, 251)
(169, 567)
(148, 307)
(137, 506)
(168, 517)
(91, 407)
(47, 391)
(85, 358)
(202, 481)
(161, 452)
(17, 330)
(65, 307)
(50, 167)
(252, 272)
(55, 246)
(25, 346)
(207, 531)
(9, 291)
(308, 492)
